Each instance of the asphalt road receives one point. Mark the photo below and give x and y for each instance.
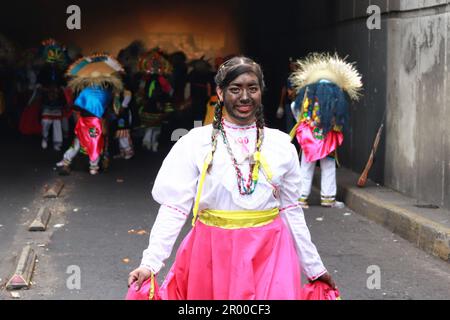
(100, 228)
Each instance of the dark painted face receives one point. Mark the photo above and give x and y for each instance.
(242, 98)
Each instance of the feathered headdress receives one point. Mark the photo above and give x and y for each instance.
(154, 62)
(322, 82)
(324, 66)
(53, 52)
(95, 70)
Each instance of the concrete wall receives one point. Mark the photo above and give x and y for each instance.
(405, 66)
(418, 145)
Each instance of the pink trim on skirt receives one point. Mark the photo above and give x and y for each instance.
(242, 264)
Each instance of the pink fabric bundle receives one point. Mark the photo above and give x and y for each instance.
(319, 291)
(144, 292)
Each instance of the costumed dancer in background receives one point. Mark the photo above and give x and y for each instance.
(179, 77)
(324, 85)
(94, 81)
(50, 85)
(199, 88)
(122, 124)
(287, 97)
(154, 96)
(214, 99)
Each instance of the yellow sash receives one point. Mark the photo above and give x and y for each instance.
(238, 219)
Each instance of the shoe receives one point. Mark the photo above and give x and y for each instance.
(333, 204)
(303, 202)
(128, 156)
(44, 144)
(63, 163)
(93, 171)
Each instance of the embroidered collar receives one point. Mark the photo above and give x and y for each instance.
(234, 126)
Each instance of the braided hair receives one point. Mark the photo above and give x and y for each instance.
(227, 72)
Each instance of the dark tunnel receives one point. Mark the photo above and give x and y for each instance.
(269, 31)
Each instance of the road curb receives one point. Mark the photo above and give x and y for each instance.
(395, 212)
(24, 271)
(426, 234)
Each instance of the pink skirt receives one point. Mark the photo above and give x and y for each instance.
(212, 263)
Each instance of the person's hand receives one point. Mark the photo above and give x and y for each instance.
(326, 278)
(139, 276)
(280, 112)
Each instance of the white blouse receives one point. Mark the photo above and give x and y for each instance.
(175, 189)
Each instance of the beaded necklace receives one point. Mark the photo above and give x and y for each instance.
(249, 186)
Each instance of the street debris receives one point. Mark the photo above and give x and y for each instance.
(15, 295)
(75, 210)
(347, 214)
(319, 219)
(26, 209)
(139, 233)
(120, 181)
(57, 226)
(126, 260)
(53, 191)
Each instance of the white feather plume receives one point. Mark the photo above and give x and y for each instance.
(324, 66)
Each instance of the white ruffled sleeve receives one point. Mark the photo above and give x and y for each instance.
(174, 189)
(293, 216)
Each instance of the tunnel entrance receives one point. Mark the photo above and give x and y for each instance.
(269, 31)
